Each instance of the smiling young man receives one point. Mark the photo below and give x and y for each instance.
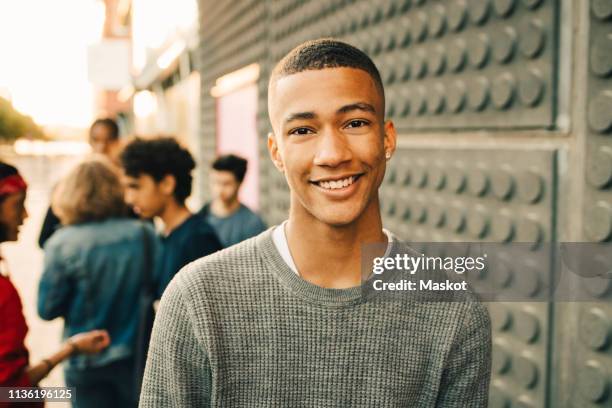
(281, 319)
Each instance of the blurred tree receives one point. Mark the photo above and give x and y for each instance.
(14, 124)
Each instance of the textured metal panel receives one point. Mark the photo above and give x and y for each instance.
(460, 64)
(591, 379)
(493, 195)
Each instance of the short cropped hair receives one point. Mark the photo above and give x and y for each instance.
(91, 191)
(110, 124)
(326, 53)
(158, 158)
(230, 162)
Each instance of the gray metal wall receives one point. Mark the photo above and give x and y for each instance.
(504, 110)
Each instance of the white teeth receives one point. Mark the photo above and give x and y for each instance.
(336, 184)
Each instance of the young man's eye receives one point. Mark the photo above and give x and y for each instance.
(301, 131)
(357, 123)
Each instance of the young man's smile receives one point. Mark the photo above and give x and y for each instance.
(331, 141)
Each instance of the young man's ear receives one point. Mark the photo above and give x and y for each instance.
(390, 139)
(274, 153)
(167, 184)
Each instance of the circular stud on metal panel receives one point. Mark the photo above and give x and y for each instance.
(498, 400)
(389, 41)
(437, 177)
(457, 15)
(405, 106)
(598, 222)
(478, 50)
(478, 93)
(389, 74)
(504, 8)
(457, 179)
(532, 4)
(456, 96)
(527, 281)
(457, 55)
(406, 70)
(600, 112)
(524, 402)
(601, 9)
(419, 175)
(478, 181)
(503, 275)
(418, 212)
(525, 371)
(437, 20)
(503, 183)
(418, 27)
(593, 382)
(530, 187)
(418, 102)
(479, 10)
(595, 328)
(419, 64)
(527, 326)
(504, 44)
(531, 88)
(532, 39)
(405, 177)
(436, 99)
(601, 57)
(597, 286)
(529, 231)
(478, 223)
(502, 92)
(437, 215)
(501, 318)
(390, 8)
(501, 360)
(455, 219)
(599, 168)
(437, 59)
(502, 229)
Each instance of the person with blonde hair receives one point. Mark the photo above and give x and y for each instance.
(95, 268)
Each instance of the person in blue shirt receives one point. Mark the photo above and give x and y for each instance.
(233, 221)
(157, 179)
(94, 270)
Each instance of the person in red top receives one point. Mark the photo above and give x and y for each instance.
(15, 369)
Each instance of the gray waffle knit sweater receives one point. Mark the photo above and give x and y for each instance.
(240, 329)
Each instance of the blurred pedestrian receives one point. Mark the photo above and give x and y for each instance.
(15, 369)
(157, 177)
(104, 140)
(233, 221)
(94, 269)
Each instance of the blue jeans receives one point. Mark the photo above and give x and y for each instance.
(111, 385)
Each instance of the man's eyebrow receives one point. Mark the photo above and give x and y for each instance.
(357, 106)
(299, 116)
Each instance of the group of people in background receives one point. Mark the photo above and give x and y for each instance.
(106, 262)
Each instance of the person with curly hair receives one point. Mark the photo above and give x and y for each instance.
(157, 179)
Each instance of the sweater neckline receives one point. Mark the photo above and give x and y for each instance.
(303, 289)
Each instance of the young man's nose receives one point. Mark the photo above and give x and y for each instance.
(332, 149)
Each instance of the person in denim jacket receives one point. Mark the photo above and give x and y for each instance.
(92, 278)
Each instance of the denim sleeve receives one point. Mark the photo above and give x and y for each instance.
(55, 287)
